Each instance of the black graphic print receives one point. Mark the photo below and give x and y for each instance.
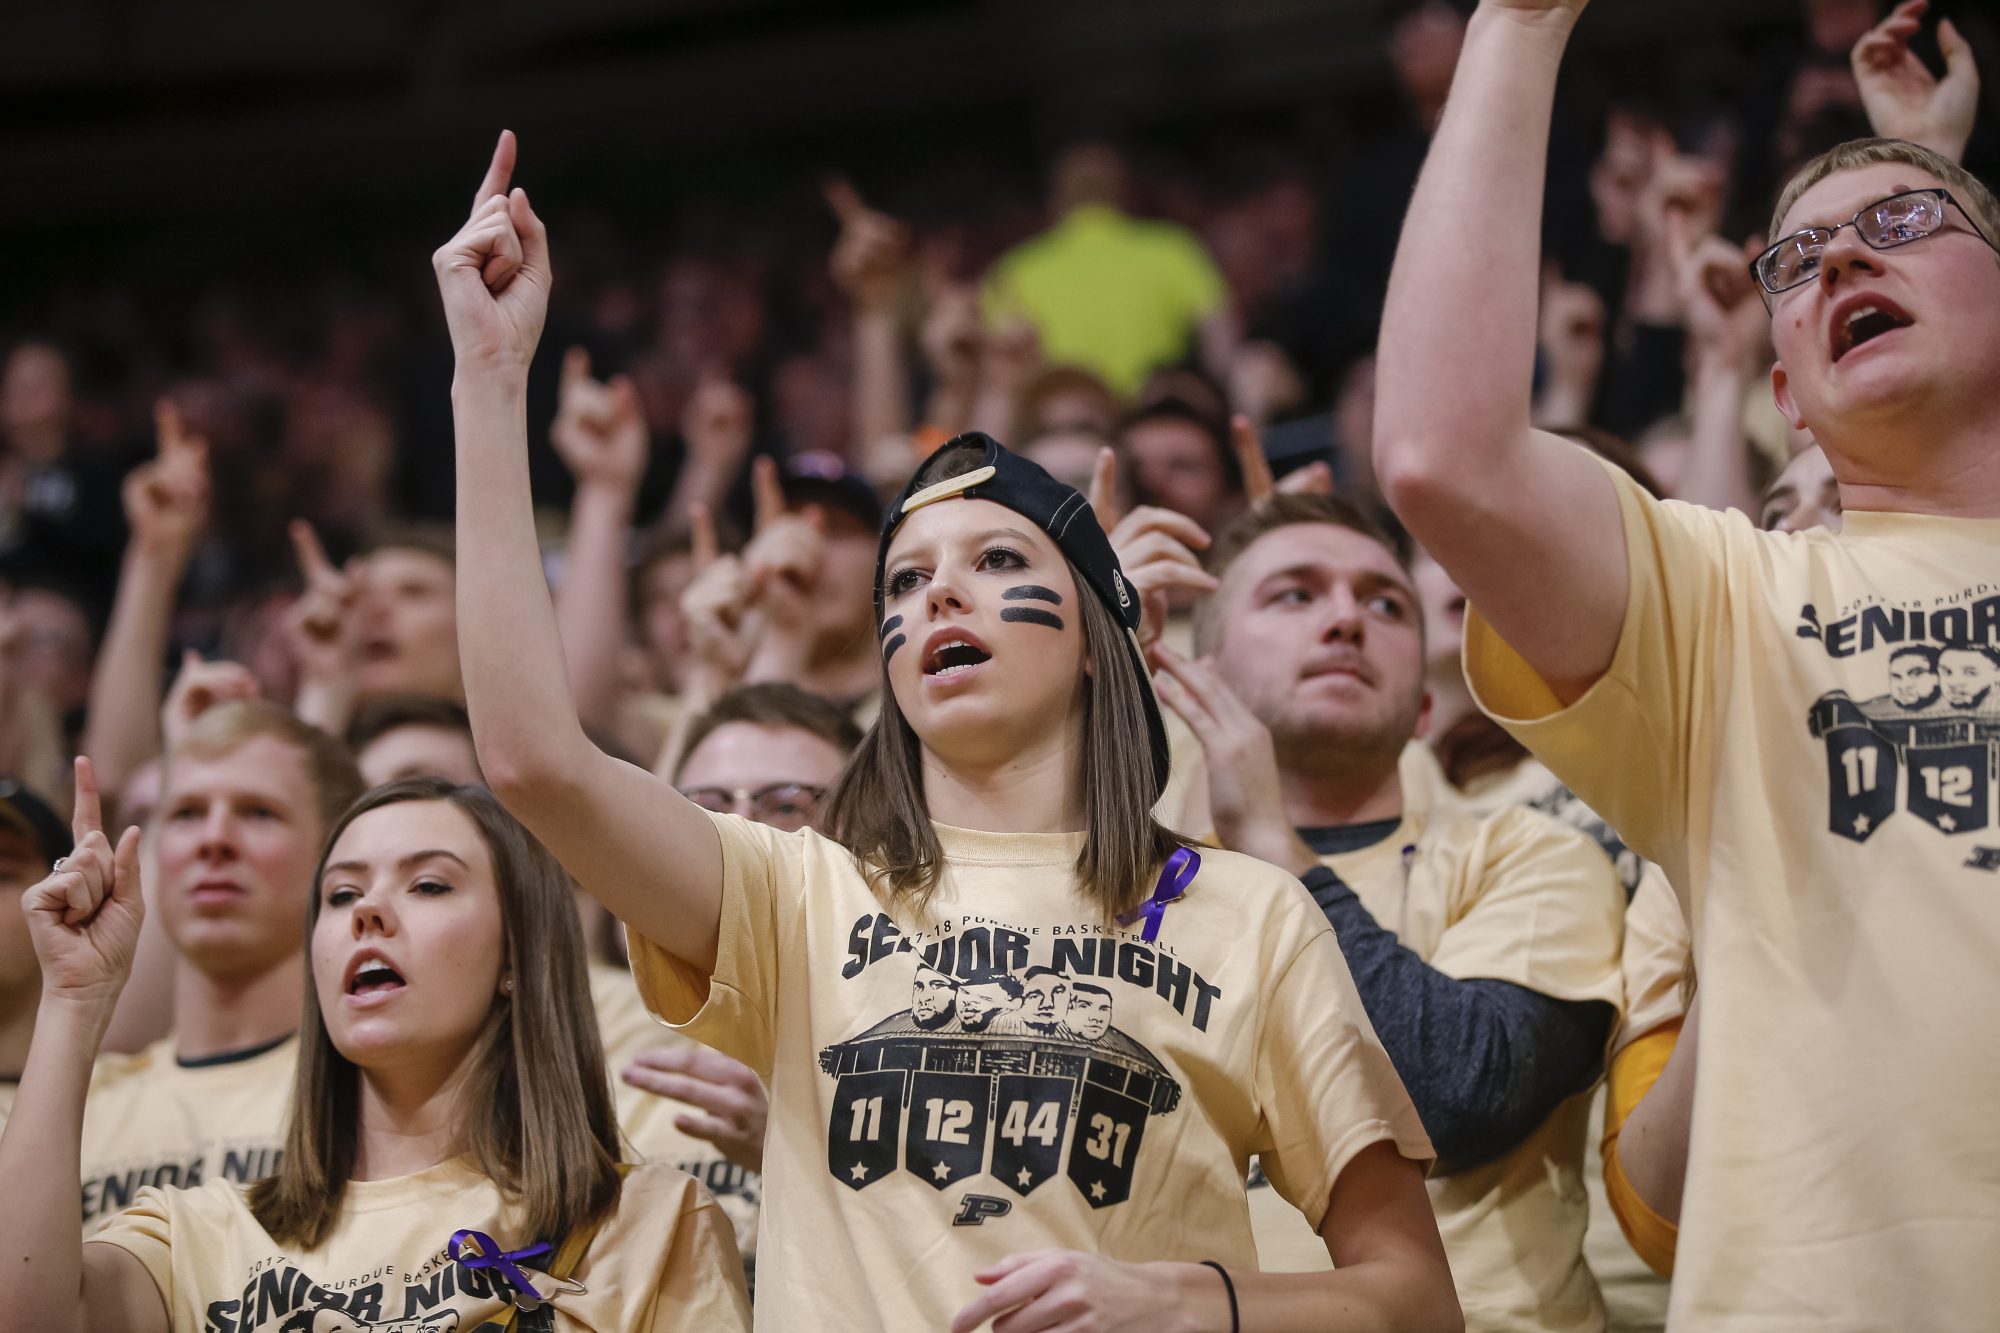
(1015, 1072)
(279, 1297)
(1927, 744)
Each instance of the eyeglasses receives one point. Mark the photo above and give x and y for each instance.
(783, 805)
(1883, 225)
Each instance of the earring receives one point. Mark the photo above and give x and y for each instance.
(507, 986)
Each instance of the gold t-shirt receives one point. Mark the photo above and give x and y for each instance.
(1635, 1297)
(1657, 957)
(1801, 728)
(1005, 1073)
(662, 1261)
(647, 1119)
(1518, 897)
(151, 1120)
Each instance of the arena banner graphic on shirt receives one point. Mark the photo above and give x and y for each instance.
(1006, 1066)
(1925, 741)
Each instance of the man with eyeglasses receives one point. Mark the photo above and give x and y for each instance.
(768, 753)
(1698, 681)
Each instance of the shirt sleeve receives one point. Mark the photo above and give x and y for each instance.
(733, 1009)
(1634, 1070)
(1658, 959)
(1325, 1084)
(700, 1280)
(146, 1232)
(1485, 1061)
(1676, 560)
(1540, 907)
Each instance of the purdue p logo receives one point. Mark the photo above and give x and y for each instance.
(974, 1209)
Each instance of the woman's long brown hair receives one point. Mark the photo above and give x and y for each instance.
(877, 809)
(537, 1114)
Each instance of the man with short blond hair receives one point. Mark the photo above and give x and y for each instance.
(1699, 683)
(250, 793)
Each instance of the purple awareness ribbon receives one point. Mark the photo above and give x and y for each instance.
(1175, 876)
(492, 1256)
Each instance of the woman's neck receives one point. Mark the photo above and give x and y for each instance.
(217, 1015)
(1033, 791)
(410, 1119)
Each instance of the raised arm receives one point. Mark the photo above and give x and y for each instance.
(869, 268)
(600, 434)
(84, 920)
(1730, 347)
(643, 850)
(1527, 523)
(166, 504)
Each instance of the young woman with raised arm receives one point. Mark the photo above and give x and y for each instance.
(452, 1157)
(1021, 1041)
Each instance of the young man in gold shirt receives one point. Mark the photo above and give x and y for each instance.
(1702, 685)
(1486, 949)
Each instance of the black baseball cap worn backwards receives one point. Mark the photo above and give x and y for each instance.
(1007, 479)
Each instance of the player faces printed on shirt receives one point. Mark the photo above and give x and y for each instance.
(1000, 1136)
(1820, 845)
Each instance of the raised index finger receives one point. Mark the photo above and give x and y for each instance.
(88, 816)
(499, 171)
(1257, 483)
(844, 199)
(1103, 495)
(767, 492)
(312, 556)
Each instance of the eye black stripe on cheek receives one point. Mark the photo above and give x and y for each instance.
(1032, 615)
(889, 648)
(889, 626)
(1031, 592)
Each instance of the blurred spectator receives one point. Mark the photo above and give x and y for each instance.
(1106, 291)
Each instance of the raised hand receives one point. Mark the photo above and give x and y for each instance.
(1904, 100)
(953, 337)
(199, 687)
(870, 258)
(716, 424)
(166, 499)
(786, 552)
(599, 431)
(494, 274)
(731, 1103)
(1726, 319)
(1155, 547)
(1570, 332)
(84, 917)
(716, 605)
(1245, 793)
(1315, 478)
(323, 627)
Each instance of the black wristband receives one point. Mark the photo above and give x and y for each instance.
(1235, 1319)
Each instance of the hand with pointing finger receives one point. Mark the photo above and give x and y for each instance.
(1904, 100)
(869, 259)
(599, 431)
(166, 499)
(199, 687)
(84, 917)
(494, 275)
(1155, 548)
(722, 626)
